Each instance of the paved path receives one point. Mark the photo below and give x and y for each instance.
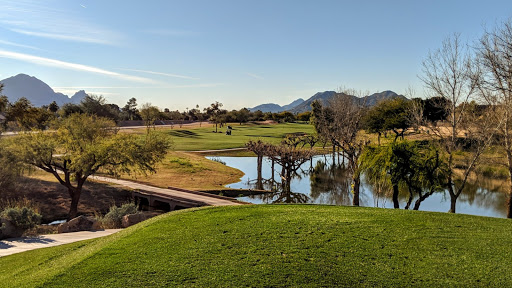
(17, 245)
(197, 196)
(217, 150)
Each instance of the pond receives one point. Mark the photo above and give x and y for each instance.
(319, 183)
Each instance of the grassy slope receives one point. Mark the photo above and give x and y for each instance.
(277, 245)
(190, 171)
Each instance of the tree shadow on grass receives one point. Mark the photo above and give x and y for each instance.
(184, 134)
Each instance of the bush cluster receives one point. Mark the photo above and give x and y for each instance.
(21, 215)
(114, 217)
(23, 218)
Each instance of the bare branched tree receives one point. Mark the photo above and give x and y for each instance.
(449, 76)
(416, 108)
(340, 122)
(495, 60)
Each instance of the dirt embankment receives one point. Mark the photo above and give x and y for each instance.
(53, 199)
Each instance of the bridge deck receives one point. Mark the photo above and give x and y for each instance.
(173, 194)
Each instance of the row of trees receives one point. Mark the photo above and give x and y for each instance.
(21, 114)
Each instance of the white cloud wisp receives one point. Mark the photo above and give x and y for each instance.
(161, 73)
(71, 66)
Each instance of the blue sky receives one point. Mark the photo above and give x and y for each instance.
(179, 54)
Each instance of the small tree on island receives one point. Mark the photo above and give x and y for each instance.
(83, 145)
(290, 158)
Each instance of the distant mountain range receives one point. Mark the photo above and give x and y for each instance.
(299, 105)
(36, 91)
(275, 108)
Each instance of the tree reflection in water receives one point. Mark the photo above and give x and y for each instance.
(324, 184)
(330, 184)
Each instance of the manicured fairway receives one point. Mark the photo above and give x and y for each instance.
(280, 245)
(204, 139)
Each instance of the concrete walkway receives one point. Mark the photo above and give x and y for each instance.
(17, 245)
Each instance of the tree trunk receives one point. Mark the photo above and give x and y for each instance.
(272, 168)
(453, 196)
(422, 198)
(396, 204)
(418, 203)
(288, 187)
(356, 181)
(509, 210)
(453, 201)
(338, 152)
(333, 155)
(378, 137)
(75, 197)
(409, 201)
(509, 158)
(259, 181)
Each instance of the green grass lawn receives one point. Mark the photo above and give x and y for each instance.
(280, 245)
(204, 139)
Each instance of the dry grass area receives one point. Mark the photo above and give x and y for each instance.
(190, 171)
(53, 200)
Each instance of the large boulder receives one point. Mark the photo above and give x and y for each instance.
(132, 219)
(80, 223)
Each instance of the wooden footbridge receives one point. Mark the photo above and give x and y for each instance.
(171, 198)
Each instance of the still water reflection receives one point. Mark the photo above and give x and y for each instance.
(319, 183)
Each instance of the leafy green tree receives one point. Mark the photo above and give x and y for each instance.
(53, 107)
(82, 146)
(69, 108)
(405, 163)
(130, 110)
(4, 101)
(304, 116)
(149, 114)
(10, 167)
(285, 116)
(242, 115)
(257, 116)
(27, 116)
(392, 114)
(199, 116)
(373, 123)
(215, 113)
(97, 105)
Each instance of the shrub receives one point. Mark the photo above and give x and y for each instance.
(114, 217)
(218, 160)
(22, 218)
